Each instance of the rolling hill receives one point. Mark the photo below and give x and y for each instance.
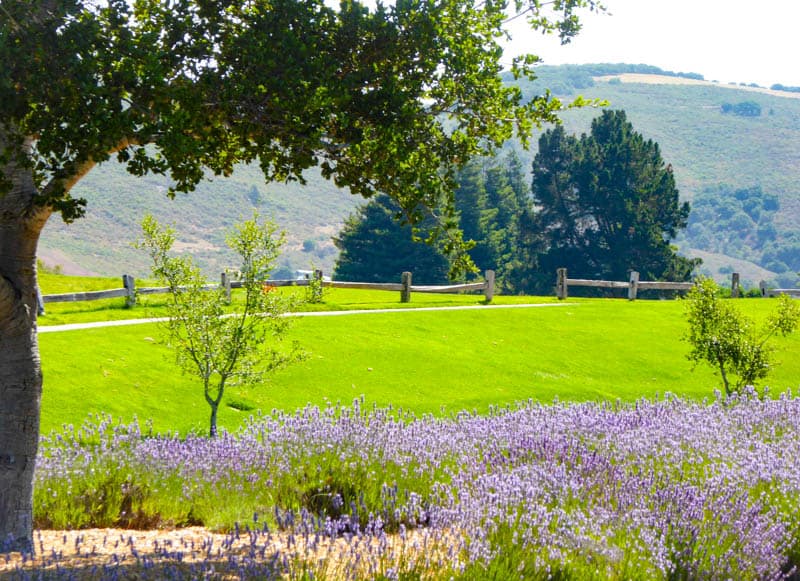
(101, 242)
(690, 118)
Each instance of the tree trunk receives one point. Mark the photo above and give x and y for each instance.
(20, 371)
(212, 430)
(213, 402)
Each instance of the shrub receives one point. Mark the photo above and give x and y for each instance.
(727, 340)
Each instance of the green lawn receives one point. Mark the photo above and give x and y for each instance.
(438, 362)
(153, 305)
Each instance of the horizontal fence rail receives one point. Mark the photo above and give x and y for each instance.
(130, 291)
(774, 292)
(634, 285)
(86, 296)
(593, 283)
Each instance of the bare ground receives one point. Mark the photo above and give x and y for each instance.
(670, 80)
(128, 554)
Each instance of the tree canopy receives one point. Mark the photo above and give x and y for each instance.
(386, 100)
(390, 99)
(607, 204)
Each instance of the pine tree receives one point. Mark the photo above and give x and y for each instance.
(607, 205)
(375, 247)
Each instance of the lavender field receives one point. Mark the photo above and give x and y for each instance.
(664, 489)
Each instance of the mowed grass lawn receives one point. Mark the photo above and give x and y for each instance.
(429, 362)
(60, 313)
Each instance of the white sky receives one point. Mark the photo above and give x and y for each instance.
(740, 41)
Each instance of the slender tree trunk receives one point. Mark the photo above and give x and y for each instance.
(724, 375)
(20, 371)
(212, 430)
(213, 402)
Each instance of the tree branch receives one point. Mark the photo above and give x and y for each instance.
(65, 184)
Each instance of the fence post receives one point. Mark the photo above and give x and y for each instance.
(561, 283)
(488, 292)
(735, 285)
(129, 284)
(405, 294)
(634, 286)
(225, 283)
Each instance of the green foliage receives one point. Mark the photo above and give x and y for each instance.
(743, 109)
(315, 291)
(730, 342)
(254, 195)
(607, 204)
(42, 268)
(375, 246)
(744, 223)
(220, 348)
(779, 87)
(493, 211)
(388, 99)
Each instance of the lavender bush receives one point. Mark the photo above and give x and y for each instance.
(664, 489)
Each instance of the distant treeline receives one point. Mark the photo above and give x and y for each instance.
(566, 79)
(779, 87)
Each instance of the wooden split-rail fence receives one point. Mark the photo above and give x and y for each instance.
(634, 285)
(130, 291)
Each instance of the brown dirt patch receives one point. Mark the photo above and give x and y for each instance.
(84, 554)
(669, 80)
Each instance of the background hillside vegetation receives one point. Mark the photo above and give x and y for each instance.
(708, 149)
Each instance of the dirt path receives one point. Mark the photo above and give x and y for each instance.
(196, 552)
(670, 80)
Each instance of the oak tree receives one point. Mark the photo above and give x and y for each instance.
(386, 99)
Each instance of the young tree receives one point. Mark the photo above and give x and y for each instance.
(608, 204)
(388, 99)
(218, 347)
(728, 341)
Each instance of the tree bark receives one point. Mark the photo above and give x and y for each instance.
(21, 222)
(212, 429)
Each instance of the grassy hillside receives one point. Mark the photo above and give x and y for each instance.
(705, 146)
(101, 242)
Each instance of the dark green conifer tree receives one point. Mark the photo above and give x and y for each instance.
(607, 204)
(376, 247)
